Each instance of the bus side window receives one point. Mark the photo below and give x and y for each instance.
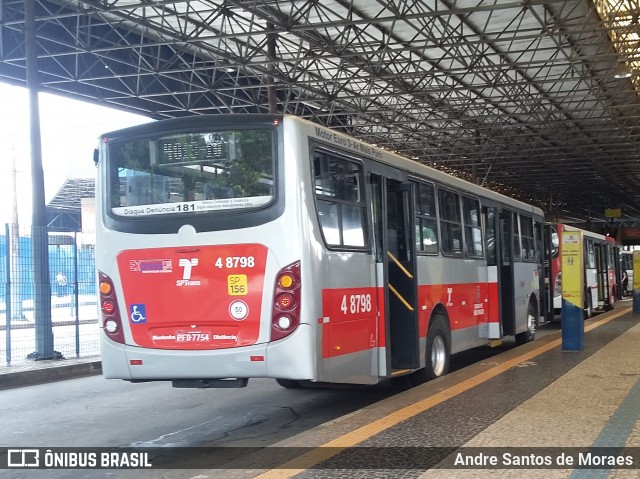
(339, 196)
(516, 237)
(611, 260)
(528, 238)
(590, 257)
(328, 216)
(472, 228)
(426, 224)
(450, 222)
(490, 226)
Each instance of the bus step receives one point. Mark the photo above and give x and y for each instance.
(210, 383)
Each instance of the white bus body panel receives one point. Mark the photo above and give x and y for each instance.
(310, 353)
(290, 358)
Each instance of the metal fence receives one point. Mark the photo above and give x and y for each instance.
(59, 312)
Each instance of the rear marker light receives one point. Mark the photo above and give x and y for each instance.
(286, 281)
(111, 326)
(285, 301)
(284, 322)
(135, 362)
(108, 307)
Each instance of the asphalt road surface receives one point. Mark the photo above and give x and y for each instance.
(94, 412)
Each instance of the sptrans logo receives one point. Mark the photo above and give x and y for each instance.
(187, 264)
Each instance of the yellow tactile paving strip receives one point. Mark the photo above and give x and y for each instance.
(527, 424)
(570, 412)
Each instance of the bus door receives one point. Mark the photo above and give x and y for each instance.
(548, 277)
(400, 277)
(602, 275)
(505, 272)
(617, 271)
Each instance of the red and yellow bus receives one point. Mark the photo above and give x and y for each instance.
(237, 247)
(600, 278)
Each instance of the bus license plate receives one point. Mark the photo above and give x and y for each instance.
(193, 336)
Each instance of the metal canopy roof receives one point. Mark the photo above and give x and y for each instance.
(520, 96)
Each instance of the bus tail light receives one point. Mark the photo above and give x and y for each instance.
(285, 313)
(110, 313)
(285, 301)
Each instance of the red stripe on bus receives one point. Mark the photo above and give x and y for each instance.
(354, 320)
(351, 323)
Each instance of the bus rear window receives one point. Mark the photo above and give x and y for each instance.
(198, 172)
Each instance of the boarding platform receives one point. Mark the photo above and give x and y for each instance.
(533, 402)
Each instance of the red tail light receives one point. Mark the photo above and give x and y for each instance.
(111, 321)
(285, 313)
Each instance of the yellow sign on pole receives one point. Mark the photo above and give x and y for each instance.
(612, 212)
(636, 282)
(572, 270)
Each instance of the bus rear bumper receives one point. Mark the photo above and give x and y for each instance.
(290, 358)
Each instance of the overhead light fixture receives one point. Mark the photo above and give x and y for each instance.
(225, 66)
(622, 71)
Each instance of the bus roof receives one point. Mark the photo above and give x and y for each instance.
(588, 233)
(413, 167)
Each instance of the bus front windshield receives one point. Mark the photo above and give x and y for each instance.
(199, 172)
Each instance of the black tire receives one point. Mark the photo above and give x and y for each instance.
(438, 348)
(438, 351)
(289, 383)
(530, 334)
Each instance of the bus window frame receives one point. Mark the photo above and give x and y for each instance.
(491, 250)
(418, 215)
(516, 232)
(467, 253)
(589, 253)
(525, 256)
(441, 221)
(364, 192)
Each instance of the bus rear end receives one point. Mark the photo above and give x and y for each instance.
(190, 289)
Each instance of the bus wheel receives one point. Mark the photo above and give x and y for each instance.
(438, 351)
(530, 334)
(438, 348)
(289, 383)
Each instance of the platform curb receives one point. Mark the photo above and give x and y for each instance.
(49, 374)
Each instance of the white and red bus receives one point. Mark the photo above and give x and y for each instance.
(626, 265)
(237, 247)
(600, 276)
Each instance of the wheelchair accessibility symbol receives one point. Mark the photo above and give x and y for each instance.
(138, 313)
